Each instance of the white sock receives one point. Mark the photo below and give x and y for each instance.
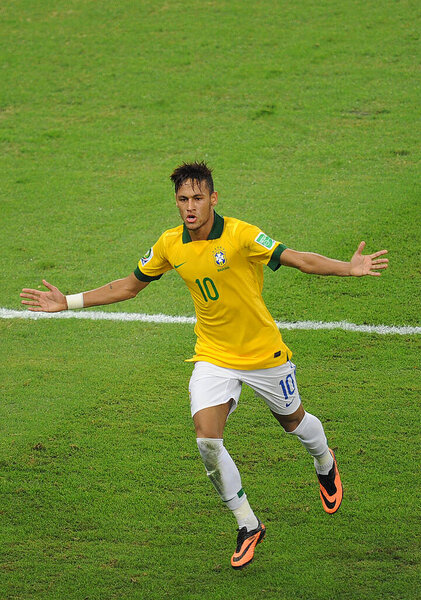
(324, 463)
(226, 479)
(245, 516)
(311, 434)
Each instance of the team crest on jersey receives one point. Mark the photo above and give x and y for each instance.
(220, 257)
(145, 259)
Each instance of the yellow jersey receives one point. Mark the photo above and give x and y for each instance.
(224, 275)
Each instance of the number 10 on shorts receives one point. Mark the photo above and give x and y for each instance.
(287, 386)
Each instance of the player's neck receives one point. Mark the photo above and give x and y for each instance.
(202, 233)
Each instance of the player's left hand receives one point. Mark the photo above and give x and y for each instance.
(367, 264)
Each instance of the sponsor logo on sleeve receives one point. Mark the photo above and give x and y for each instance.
(265, 241)
(145, 259)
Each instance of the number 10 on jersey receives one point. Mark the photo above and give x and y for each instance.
(207, 289)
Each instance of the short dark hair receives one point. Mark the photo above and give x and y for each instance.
(196, 171)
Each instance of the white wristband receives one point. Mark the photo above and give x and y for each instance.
(74, 301)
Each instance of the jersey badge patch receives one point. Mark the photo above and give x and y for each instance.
(145, 259)
(220, 257)
(265, 241)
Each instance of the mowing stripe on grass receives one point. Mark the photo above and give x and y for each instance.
(6, 313)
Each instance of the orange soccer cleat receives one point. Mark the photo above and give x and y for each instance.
(246, 543)
(331, 491)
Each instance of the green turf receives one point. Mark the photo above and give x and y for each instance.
(308, 113)
(103, 497)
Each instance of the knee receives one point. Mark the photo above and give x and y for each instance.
(291, 422)
(210, 450)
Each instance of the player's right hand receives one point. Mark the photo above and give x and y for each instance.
(51, 301)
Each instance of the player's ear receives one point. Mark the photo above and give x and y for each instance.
(214, 198)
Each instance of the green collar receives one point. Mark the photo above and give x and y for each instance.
(215, 232)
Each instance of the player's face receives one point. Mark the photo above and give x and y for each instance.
(195, 203)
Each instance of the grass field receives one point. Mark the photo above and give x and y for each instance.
(308, 114)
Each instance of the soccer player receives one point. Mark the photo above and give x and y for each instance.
(220, 260)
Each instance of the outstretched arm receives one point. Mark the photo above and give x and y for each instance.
(359, 265)
(55, 301)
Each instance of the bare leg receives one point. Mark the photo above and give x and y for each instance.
(290, 422)
(210, 422)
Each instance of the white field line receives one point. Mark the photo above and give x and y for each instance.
(6, 313)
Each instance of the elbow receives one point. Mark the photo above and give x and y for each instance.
(127, 293)
(131, 294)
(305, 267)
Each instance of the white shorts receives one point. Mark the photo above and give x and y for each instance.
(211, 385)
